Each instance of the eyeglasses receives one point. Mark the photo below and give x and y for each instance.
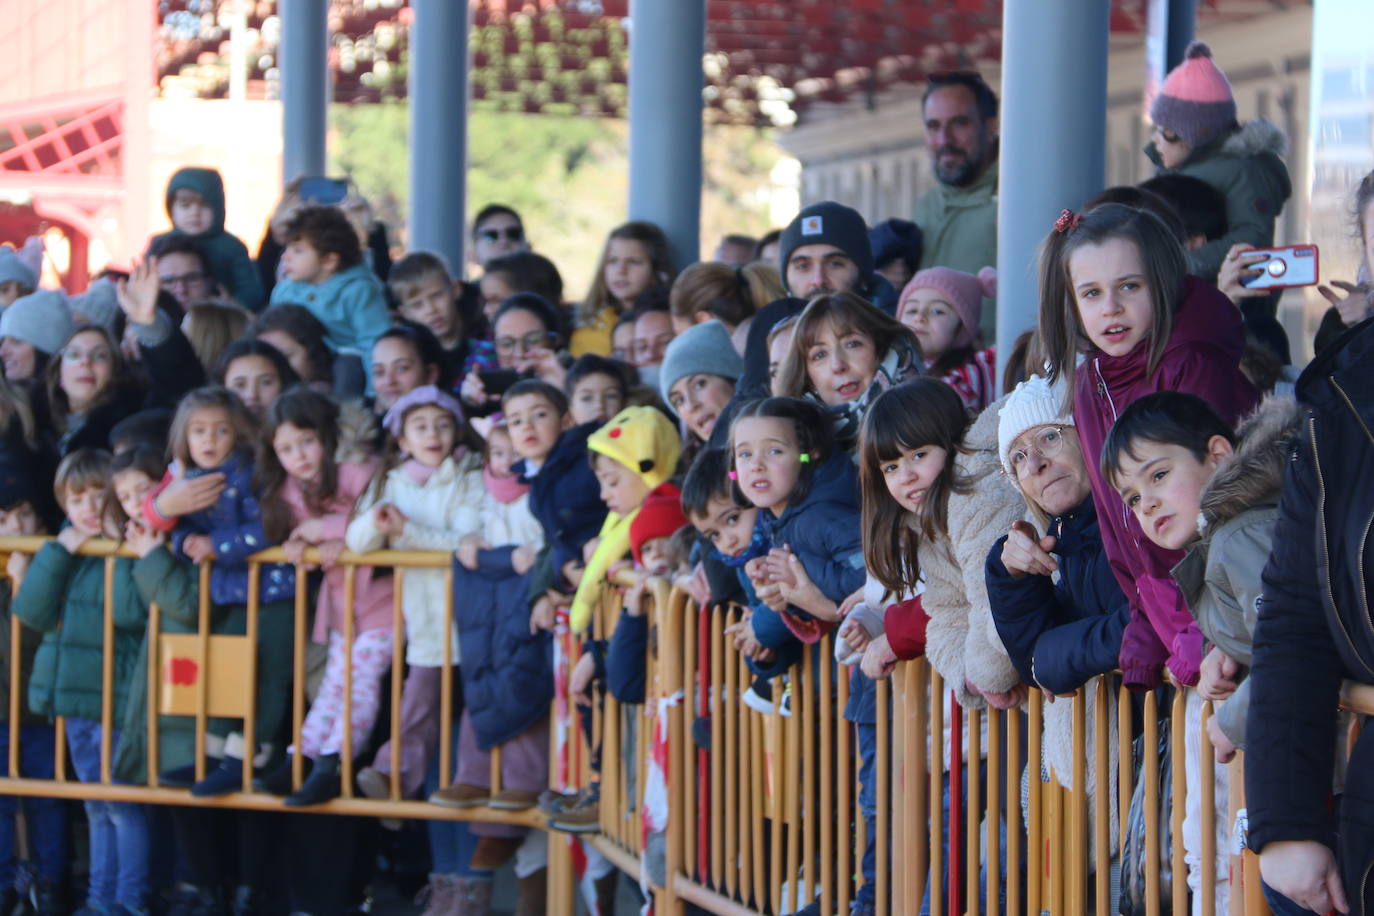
(185, 281)
(1047, 443)
(511, 234)
(95, 355)
(523, 344)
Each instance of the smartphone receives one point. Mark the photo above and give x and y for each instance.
(498, 381)
(1288, 267)
(323, 191)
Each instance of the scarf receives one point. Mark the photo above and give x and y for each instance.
(902, 363)
(759, 544)
(418, 472)
(505, 490)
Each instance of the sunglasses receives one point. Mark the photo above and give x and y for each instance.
(511, 234)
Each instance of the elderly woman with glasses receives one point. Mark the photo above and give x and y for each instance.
(527, 334)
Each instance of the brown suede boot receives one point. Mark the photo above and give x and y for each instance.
(532, 892)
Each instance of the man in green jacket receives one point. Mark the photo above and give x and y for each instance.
(958, 216)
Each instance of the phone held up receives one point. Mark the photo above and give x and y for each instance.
(1283, 268)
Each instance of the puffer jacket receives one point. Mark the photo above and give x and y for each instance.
(63, 596)
(1246, 166)
(961, 639)
(566, 498)
(1202, 357)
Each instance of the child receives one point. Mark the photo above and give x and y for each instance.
(426, 495)
(195, 204)
(310, 476)
(46, 817)
(1194, 486)
(213, 433)
(779, 342)
(63, 596)
(427, 295)
(325, 272)
(1115, 292)
(631, 455)
(944, 308)
(506, 669)
(785, 464)
(634, 260)
(596, 389)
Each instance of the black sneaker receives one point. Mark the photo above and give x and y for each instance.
(224, 779)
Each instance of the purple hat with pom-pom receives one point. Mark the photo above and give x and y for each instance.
(1195, 101)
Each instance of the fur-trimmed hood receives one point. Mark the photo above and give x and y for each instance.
(1253, 475)
(1255, 137)
(357, 433)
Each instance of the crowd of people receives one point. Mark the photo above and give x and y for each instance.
(807, 426)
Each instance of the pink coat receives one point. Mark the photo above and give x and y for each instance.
(372, 596)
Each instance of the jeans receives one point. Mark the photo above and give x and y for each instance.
(46, 817)
(451, 843)
(1002, 842)
(118, 830)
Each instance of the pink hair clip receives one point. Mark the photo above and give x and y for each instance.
(732, 475)
(1067, 220)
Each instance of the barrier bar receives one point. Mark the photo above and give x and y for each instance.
(250, 718)
(152, 671)
(298, 677)
(346, 755)
(1178, 772)
(107, 673)
(1207, 804)
(398, 624)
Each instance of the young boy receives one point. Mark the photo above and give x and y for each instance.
(62, 596)
(1195, 486)
(46, 817)
(427, 295)
(195, 204)
(597, 388)
(324, 271)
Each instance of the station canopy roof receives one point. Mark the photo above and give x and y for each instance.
(768, 62)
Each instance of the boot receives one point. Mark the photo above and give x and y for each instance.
(437, 896)
(277, 781)
(322, 785)
(224, 779)
(531, 894)
(471, 897)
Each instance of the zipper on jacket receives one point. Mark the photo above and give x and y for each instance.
(1359, 562)
(1326, 553)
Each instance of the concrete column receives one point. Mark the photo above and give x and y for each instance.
(304, 86)
(1053, 139)
(667, 41)
(438, 97)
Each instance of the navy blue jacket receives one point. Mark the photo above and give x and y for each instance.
(625, 658)
(507, 673)
(1068, 630)
(824, 529)
(1314, 616)
(566, 497)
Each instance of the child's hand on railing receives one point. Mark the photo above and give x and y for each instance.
(72, 539)
(780, 567)
(798, 590)
(1305, 872)
(696, 584)
(1216, 677)
(1224, 747)
(310, 531)
(879, 659)
(468, 547)
(851, 601)
(198, 548)
(142, 539)
(580, 681)
(634, 598)
(389, 520)
(330, 551)
(294, 548)
(16, 566)
(542, 615)
(522, 558)
(853, 632)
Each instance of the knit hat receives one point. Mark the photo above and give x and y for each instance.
(828, 223)
(41, 319)
(13, 269)
(893, 239)
(704, 348)
(643, 439)
(1195, 101)
(425, 395)
(1034, 402)
(964, 291)
(661, 516)
(99, 304)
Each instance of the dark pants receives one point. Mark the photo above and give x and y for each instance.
(46, 817)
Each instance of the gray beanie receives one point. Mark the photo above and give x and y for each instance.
(828, 223)
(13, 269)
(703, 348)
(99, 304)
(41, 319)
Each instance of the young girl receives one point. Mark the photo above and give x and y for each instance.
(844, 353)
(311, 469)
(785, 464)
(943, 308)
(63, 597)
(635, 258)
(426, 495)
(1120, 318)
(213, 433)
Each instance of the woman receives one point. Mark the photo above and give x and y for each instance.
(709, 291)
(528, 335)
(87, 390)
(32, 329)
(697, 380)
(300, 337)
(844, 353)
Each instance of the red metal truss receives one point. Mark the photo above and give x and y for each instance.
(78, 138)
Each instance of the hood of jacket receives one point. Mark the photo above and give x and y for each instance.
(977, 194)
(1204, 317)
(1253, 474)
(835, 481)
(205, 182)
(357, 432)
(1259, 140)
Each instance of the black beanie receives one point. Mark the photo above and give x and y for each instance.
(828, 223)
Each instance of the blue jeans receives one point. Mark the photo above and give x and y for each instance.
(46, 817)
(451, 843)
(118, 830)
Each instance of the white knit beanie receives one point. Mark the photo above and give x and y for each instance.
(1034, 402)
